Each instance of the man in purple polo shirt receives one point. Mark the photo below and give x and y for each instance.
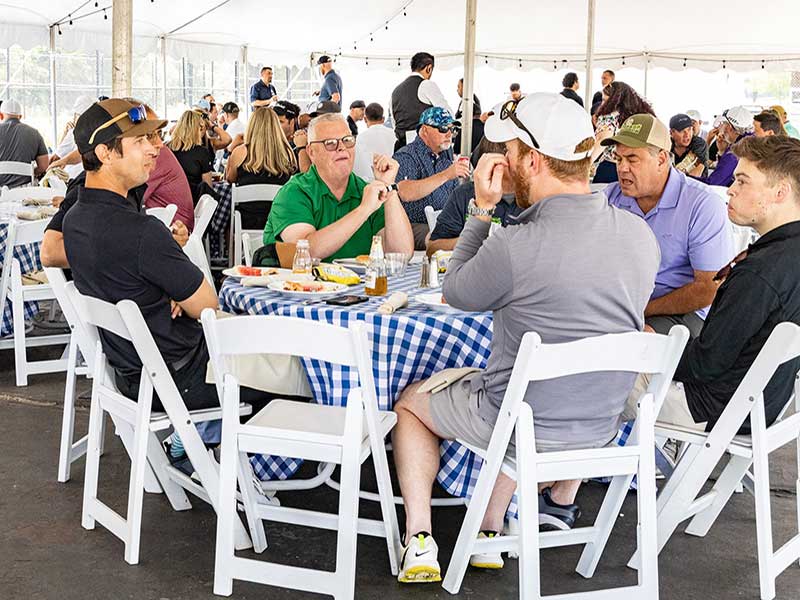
(689, 221)
(737, 123)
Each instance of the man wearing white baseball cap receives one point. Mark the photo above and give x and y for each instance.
(737, 123)
(570, 267)
(19, 143)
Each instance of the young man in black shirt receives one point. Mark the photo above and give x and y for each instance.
(689, 151)
(760, 289)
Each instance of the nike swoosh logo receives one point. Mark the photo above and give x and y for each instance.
(418, 554)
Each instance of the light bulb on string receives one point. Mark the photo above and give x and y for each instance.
(724, 66)
(371, 39)
(59, 29)
(398, 62)
(763, 65)
(387, 25)
(623, 61)
(96, 4)
(105, 16)
(684, 63)
(366, 62)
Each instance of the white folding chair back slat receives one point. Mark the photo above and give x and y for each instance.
(196, 252)
(165, 214)
(33, 192)
(311, 431)
(136, 426)
(10, 167)
(636, 352)
(12, 288)
(250, 243)
(203, 213)
(681, 497)
(240, 194)
(431, 216)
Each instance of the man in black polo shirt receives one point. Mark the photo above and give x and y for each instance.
(689, 151)
(451, 220)
(356, 114)
(760, 289)
(118, 253)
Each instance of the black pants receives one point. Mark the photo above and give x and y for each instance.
(663, 323)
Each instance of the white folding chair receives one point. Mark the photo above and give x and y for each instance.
(11, 287)
(329, 434)
(202, 214)
(138, 426)
(10, 167)
(633, 352)
(262, 192)
(681, 497)
(165, 214)
(250, 243)
(196, 252)
(36, 192)
(431, 216)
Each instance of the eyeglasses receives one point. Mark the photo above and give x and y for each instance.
(155, 135)
(332, 144)
(136, 114)
(454, 129)
(508, 111)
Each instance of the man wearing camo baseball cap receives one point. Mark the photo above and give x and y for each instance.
(428, 174)
(570, 267)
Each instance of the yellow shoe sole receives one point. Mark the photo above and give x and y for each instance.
(494, 566)
(419, 574)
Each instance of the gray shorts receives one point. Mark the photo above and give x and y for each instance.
(455, 414)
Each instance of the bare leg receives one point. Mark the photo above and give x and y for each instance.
(562, 492)
(416, 455)
(502, 493)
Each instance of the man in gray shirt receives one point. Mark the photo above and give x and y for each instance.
(571, 267)
(19, 143)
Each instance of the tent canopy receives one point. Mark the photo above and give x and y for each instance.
(535, 31)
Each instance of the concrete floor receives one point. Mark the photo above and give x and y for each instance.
(46, 554)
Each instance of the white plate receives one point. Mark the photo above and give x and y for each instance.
(434, 301)
(351, 263)
(279, 275)
(330, 289)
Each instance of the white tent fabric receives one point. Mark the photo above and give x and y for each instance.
(534, 33)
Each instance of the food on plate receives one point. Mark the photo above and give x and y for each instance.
(443, 301)
(362, 259)
(336, 274)
(303, 286)
(244, 271)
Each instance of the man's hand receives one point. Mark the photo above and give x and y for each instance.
(648, 329)
(336, 97)
(374, 196)
(385, 168)
(488, 178)
(603, 133)
(175, 309)
(57, 200)
(315, 93)
(300, 138)
(458, 169)
(180, 232)
(485, 116)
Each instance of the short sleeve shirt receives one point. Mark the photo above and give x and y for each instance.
(307, 199)
(451, 220)
(691, 225)
(261, 91)
(417, 161)
(330, 85)
(19, 143)
(117, 253)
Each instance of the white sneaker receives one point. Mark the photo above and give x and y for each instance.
(420, 563)
(487, 560)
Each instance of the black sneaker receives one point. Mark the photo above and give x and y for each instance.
(553, 517)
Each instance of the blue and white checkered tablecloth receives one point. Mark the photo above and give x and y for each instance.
(28, 257)
(221, 220)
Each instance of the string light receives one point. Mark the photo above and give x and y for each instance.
(70, 19)
(59, 29)
(398, 62)
(105, 16)
(387, 25)
(763, 65)
(684, 63)
(623, 61)
(96, 4)
(724, 66)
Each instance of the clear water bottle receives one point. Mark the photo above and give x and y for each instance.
(302, 258)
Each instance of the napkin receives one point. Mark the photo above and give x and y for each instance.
(444, 379)
(37, 202)
(29, 215)
(395, 302)
(260, 281)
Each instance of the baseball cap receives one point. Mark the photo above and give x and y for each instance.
(558, 124)
(779, 110)
(230, 107)
(96, 120)
(82, 103)
(323, 59)
(436, 116)
(680, 122)
(12, 107)
(358, 104)
(324, 107)
(739, 117)
(640, 131)
(203, 104)
(694, 115)
(286, 109)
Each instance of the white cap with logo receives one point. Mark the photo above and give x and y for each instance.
(694, 115)
(11, 107)
(558, 124)
(739, 117)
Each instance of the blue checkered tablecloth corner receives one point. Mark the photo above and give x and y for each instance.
(28, 257)
(407, 346)
(221, 220)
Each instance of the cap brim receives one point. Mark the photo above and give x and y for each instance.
(143, 128)
(625, 140)
(503, 130)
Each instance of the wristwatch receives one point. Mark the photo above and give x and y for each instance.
(392, 188)
(473, 210)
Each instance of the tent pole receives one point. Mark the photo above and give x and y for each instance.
(646, 69)
(164, 76)
(121, 48)
(469, 78)
(53, 102)
(244, 70)
(587, 83)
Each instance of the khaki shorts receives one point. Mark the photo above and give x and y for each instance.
(674, 411)
(455, 414)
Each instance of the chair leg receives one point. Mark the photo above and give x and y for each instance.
(136, 486)
(603, 524)
(763, 524)
(388, 510)
(646, 505)
(18, 319)
(92, 463)
(68, 420)
(125, 433)
(528, 496)
(159, 462)
(726, 484)
(224, 553)
(250, 502)
(347, 535)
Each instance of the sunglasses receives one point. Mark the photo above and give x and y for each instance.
(332, 144)
(454, 129)
(155, 135)
(136, 114)
(508, 111)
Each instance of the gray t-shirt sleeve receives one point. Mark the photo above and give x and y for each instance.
(479, 276)
(41, 146)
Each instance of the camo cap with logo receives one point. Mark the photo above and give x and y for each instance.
(639, 131)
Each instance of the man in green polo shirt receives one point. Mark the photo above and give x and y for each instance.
(331, 207)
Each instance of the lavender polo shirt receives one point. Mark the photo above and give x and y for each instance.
(691, 225)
